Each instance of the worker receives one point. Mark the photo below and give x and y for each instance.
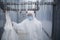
(30, 28)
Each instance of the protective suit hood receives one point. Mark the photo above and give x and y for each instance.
(30, 15)
(31, 12)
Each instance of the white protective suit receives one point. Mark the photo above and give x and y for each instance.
(9, 32)
(29, 29)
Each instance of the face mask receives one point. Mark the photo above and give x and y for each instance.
(30, 17)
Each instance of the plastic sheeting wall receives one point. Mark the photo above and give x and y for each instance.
(44, 15)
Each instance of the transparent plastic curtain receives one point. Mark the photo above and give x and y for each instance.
(44, 14)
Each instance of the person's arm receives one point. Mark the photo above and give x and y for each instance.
(15, 26)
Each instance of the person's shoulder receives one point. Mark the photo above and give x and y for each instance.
(24, 21)
(38, 21)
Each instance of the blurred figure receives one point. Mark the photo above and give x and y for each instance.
(30, 28)
(9, 33)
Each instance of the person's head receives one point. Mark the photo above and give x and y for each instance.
(30, 15)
